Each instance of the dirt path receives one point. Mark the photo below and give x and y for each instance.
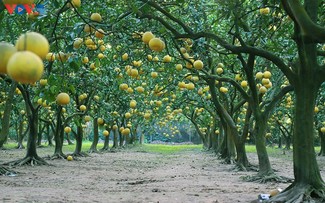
(130, 176)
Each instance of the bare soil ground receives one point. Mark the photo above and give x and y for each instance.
(134, 176)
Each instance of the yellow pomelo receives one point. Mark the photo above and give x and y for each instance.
(83, 108)
(322, 129)
(147, 36)
(50, 56)
(6, 51)
(69, 158)
(67, 129)
(156, 44)
(126, 131)
(75, 3)
(34, 42)
(267, 74)
(133, 104)
(25, 67)
(96, 17)
(99, 33)
(198, 65)
(63, 98)
(105, 133)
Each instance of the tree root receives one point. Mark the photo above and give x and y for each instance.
(20, 146)
(56, 156)
(241, 167)
(228, 160)
(5, 171)
(28, 160)
(104, 149)
(265, 178)
(93, 151)
(80, 154)
(297, 193)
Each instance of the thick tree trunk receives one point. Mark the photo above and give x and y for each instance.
(242, 160)
(58, 136)
(308, 184)
(31, 155)
(49, 135)
(39, 135)
(6, 117)
(263, 158)
(231, 147)
(214, 141)
(115, 139)
(142, 138)
(21, 135)
(106, 143)
(31, 144)
(121, 139)
(93, 147)
(79, 136)
(305, 165)
(134, 134)
(322, 143)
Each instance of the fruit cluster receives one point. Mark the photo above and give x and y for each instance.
(23, 62)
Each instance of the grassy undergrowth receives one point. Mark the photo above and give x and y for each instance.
(167, 149)
(152, 148)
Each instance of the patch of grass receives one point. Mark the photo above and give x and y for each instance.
(10, 145)
(85, 146)
(270, 150)
(167, 149)
(66, 148)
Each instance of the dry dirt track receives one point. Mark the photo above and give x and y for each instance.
(131, 176)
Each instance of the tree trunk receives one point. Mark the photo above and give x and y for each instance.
(322, 143)
(263, 158)
(142, 138)
(106, 142)
(40, 134)
(6, 117)
(79, 136)
(306, 170)
(231, 149)
(121, 137)
(307, 79)
(93, 147)
(134, 134)
(242, 160)
(58, 136)
(31, 144)
(49, 135)
(115, 139)
(21, 135)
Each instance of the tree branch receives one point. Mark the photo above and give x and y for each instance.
(308, 27)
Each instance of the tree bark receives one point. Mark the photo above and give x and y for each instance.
(322, 143)
(93, 147)
(6, 117)
(21, 135)
(305, 165)
(115, 139)
(263, 158)
(106, 142)
(59, 133)
(79, 136)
